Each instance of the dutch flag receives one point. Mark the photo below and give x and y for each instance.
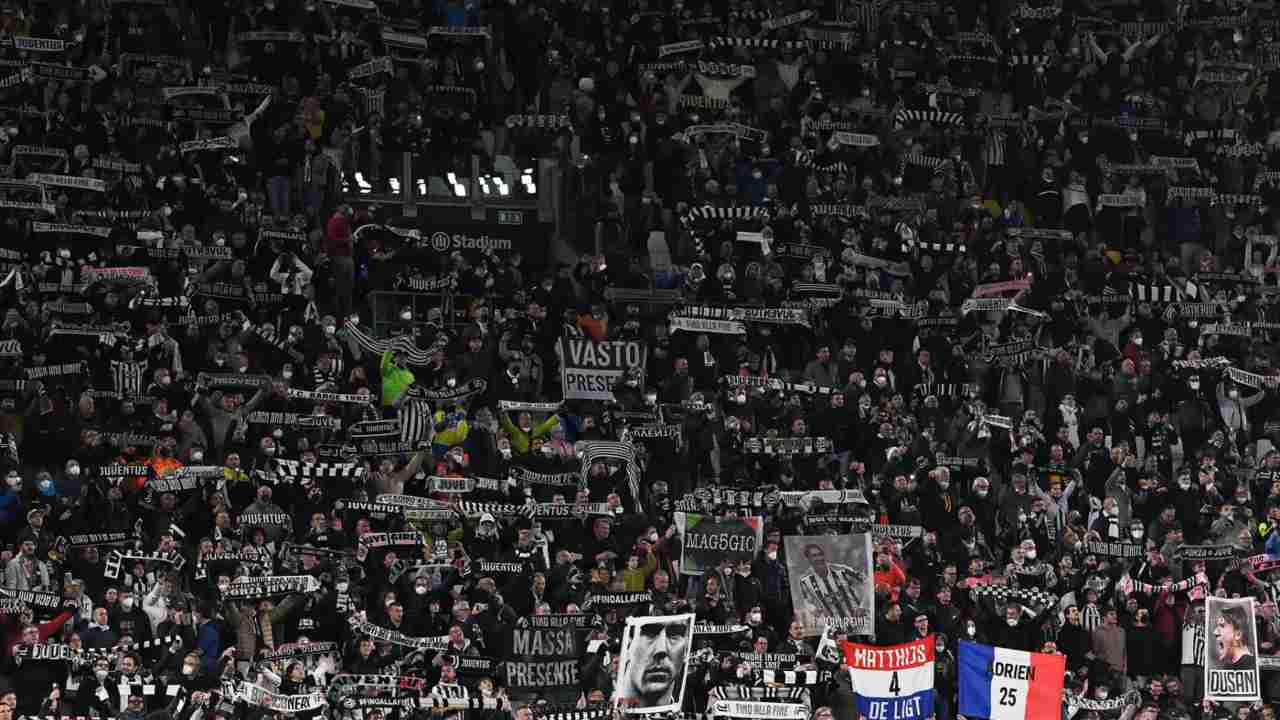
(1002, 684)
(894, 682)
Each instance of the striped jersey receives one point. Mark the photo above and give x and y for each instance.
(415, 420)
(835, 595)
(1193, 642)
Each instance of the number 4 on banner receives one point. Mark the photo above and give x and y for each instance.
(894, 687)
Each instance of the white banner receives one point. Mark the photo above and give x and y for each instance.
(654, 664)
(1231, 659)
(589, 369)
(758, 710)
(707, 325)
(832, 582)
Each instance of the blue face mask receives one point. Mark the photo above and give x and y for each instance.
(47, 488)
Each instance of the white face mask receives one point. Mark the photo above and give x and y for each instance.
(100, 674)
(342, 587)
(772, 554)
(127, 603)
(287, 374)
(197, 457)
(971, 630)
(1184, 484)
(981, 492)
(1113, 512)
(505, 452)
(188, 670)
(1137, 341)
(420, 589)
(406, 316)
(330, 329)
(73, 471)
(1233, 394)
(1011, 622)
(756, 618)
(1030, 554)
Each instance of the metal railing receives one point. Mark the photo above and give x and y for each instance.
(386, 306)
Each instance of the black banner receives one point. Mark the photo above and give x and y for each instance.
(545, 651)
(1207, 552)
(1115, 549)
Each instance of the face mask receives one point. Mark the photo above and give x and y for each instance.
(1113, 512)
(342, 587)
(756, 618)
(1137, 341)
(420, 589)
(1233, 394)
(1184, 484)
(1103, 696)
(269, 451)
(451, 382)
(100, 674)
(406, 316)
(287, 374)
(197, 457)
(1011, 622)
(981, 492)
(188, 670)
(1030, 554)
(653, 538)
(13, 481)
(944, 484)
(127, 603)
(219, 362)
(772, 554)
(73, 471)
(971, 630)
(505, 452)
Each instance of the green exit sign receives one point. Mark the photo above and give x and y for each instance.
(510, 217)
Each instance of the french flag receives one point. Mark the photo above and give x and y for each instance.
(1003, 684)
(894, 682)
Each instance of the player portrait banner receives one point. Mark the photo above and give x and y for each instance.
(545, 652)
(832, 583)
(893, 682)
(655, 663)
(1231, 658)
(589, 370)
(706, 540)
(1002, 684)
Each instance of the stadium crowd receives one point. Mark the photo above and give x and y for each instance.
(992, 285)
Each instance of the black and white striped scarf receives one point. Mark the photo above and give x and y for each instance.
(592, 451)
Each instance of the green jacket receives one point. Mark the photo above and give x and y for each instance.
(520, 440)
(395, 380)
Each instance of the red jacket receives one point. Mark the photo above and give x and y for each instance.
(13, 633)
